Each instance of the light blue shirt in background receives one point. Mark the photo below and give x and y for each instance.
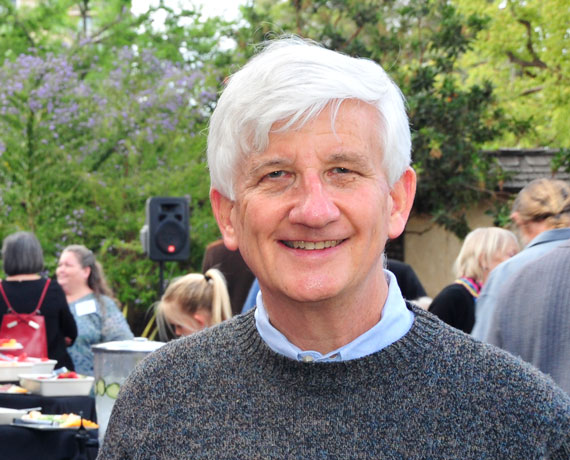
(490, 294)
(395, 322)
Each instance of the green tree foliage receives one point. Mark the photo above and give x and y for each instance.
(90, 128)
(419, 43)
(43, 27)
(525, 52)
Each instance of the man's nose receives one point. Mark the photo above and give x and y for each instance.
(314, 206)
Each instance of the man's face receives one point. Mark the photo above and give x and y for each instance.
(313, 212)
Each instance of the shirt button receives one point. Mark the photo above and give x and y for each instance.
(308, 359)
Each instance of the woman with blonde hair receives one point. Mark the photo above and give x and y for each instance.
(192, 303)
(483, 249)
(541, 213)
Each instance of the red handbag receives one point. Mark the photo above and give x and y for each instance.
(29, 329)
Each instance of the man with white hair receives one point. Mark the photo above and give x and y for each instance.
(309, 154)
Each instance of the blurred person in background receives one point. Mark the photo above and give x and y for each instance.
(541, 213)
(410, 285)
(482, 250)
(191, 303)
(23, 260)
(532, 318)
(92, 304)
(237, 275)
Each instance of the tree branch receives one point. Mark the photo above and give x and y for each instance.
(536, 89)
(352, 37)
(536, 61)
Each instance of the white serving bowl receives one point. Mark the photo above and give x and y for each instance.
(46, 385)
(42, 367)
(7, 415)
(9, 370)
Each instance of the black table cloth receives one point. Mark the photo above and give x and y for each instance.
(23, 443)
(52, 404)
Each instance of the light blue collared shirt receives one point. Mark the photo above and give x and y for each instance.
(395, 322)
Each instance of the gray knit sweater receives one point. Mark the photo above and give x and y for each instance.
(434, 394)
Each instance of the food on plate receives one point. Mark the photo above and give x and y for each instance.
(61, 375)
(59, 420)
(21, 358)
(68, 375)
(11, 388)
(10, 343)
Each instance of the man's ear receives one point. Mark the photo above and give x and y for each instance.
(402, 194)
(222, 208)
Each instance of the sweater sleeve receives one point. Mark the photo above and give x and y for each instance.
(563, 452)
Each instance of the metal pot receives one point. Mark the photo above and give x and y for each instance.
(113, 362)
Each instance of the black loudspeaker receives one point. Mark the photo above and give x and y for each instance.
(166, 234)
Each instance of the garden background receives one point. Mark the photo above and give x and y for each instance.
(101, 108)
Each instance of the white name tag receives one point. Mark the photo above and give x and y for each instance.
(85, 307)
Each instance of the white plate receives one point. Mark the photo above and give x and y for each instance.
(16, 347)
(9, 370)
(45, 385)
(7, 415)
(49, 427)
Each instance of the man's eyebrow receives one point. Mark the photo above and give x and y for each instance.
(274, 163)
(353, 158)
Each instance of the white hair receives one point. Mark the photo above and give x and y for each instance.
(291, 81)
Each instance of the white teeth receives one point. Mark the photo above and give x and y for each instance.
(310, 245)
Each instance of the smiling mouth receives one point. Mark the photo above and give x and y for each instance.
(312, 245)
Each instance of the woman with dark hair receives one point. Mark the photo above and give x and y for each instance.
(23, 260)
(92, 303)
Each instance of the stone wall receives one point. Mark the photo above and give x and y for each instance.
(526, 165)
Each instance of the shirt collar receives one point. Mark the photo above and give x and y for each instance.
(395, 322)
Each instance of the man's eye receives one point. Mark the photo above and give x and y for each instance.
(276, 174)
(341, 170)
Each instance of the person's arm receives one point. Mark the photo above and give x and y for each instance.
(67, 324)
(450, 306)
(485, 306)
(114, 325)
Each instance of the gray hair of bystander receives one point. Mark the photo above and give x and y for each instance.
(22, 254)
